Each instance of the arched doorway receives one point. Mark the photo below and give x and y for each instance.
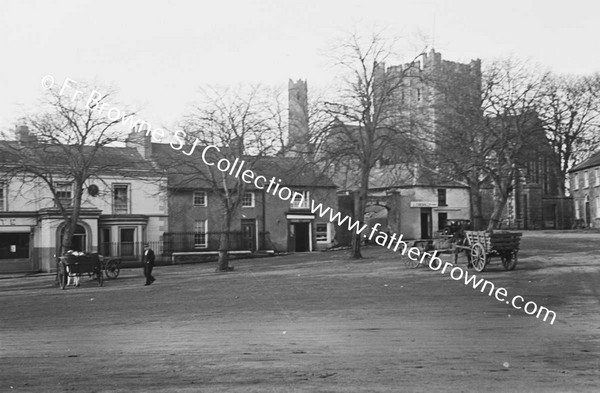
(79, 242)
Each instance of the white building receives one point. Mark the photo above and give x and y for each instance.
(120, 210)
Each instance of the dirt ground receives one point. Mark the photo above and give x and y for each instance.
(312, 322)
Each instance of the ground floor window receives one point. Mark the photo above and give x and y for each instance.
(322, 232)
(127, 241)
(200, 229)
(14, 245)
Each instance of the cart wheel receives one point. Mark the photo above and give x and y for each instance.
(411, 264)
(112, 269)
(62, 275)
(509, 261)
(478, 257)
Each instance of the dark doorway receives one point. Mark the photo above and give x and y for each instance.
(550, 216)
(425, 223)
(127, 236)
(105, 242)
(78, 242)
(249, 234)
(299, 237)
(442, 221)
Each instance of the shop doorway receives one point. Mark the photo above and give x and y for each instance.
(249, 234)
(127, 242)
(299, 237)
(425, 223)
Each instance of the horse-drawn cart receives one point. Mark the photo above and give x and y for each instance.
(480, 246)
(71, 265)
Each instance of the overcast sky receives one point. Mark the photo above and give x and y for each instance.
(157, 53)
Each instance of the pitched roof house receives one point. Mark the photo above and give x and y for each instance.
(122, 205)
(268, 217)
(584, 183)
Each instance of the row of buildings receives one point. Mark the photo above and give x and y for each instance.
(150, 196)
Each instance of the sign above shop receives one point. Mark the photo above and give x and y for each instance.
(423, 204)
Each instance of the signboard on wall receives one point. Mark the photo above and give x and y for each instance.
(423, 204)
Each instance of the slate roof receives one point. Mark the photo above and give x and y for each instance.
(108, 158)
(391, 176)
(589, 163)
(189, 172)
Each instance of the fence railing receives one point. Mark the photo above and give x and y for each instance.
(186, 242)
(194, 241)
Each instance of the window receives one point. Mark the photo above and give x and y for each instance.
(248, 199)
(63, 194)
(577, 210)
(120, 199)
(597, 176)
(2, 199)
(322, 232)
(576, 182)
(14, 245)
(418, 94)
(586, 179)
(127, 241)
(200, 229)
(200, 198)
(441, 197)
(300, 200)
(442, 220)
(598, 207)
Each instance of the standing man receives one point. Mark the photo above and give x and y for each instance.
(148, 264)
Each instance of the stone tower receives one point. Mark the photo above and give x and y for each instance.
(434, 93)
(298, 138)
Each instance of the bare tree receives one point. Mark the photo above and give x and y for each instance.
(65, 143)
(245, 123)
(512, 94)
(570, 111)
(366, 124)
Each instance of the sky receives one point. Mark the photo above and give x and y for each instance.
(157, 54)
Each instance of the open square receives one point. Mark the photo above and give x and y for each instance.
(310, 322)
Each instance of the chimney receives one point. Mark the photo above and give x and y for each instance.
(141, 140)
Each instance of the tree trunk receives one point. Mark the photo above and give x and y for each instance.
(476, 208)
(71, 219)
(500, 199)
(223, 262)
(360, 204)
(224, 241)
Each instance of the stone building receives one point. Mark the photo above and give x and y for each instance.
(414, 200)
(535, 201)
(584, 181)
(432, 93)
